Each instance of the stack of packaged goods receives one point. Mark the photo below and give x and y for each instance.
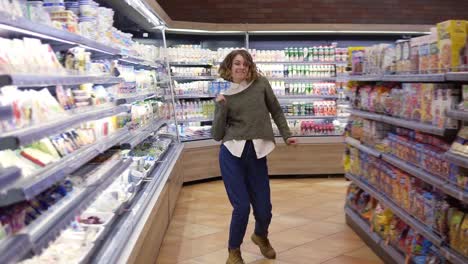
(420, 102)
(282, 88)
(191, 71)
(444, 49)
(85, 17)
(300, 54)
(297, 71)
(192, 54)
(137, 81)
(194, 132)
(88, 228)
(315, 108)
(201, 88)
(31, 158)
(393, 230)
(318, 127)
(188, 110)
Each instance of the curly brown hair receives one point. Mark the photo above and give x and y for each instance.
(226, 66)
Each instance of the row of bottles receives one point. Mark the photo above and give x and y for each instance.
(282, 88)
(316, 108)
(298, 71)
(194, 110)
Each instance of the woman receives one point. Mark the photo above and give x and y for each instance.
(242, 121)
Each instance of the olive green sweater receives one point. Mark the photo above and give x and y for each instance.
(245, 115)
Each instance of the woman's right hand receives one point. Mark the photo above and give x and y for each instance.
(220, 98)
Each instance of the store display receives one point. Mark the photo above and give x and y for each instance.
(39, 58)
(315, 108)
(191, 71)
(319, 127)
(297, 54)
(200, 88)
(421, 102)
(314, 89)
(85, 18)
(187, 110)
(297, 71)
(191, 54)
(16, 217)
(417, 175)
(444, 49)
(393, 230)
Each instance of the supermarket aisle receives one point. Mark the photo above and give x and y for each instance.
(308, 226)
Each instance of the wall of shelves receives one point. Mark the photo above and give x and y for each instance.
(438, 184)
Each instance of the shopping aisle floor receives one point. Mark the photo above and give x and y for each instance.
(308, 226)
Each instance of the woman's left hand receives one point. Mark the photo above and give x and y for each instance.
(291, 141)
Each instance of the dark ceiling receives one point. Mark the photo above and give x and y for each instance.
(316, 11)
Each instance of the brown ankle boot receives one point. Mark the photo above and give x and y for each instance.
(265, 247)
(235, 257)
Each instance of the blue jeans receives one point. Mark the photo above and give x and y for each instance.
(246, 181)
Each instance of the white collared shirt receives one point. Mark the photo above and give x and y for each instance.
(236, 147)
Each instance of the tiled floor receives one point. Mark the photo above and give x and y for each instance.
(308, 226)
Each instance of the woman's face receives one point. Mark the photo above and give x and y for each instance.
(239, 69)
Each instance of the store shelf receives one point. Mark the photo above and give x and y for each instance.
(31, 80)
(48, 227)
(24, 136)
(300, 62)
(195, 120)
(25, 27)
(195, 138)
(191, 64)
(456, 159)
(312, 79)
(118, 247)
(453, 256)
(135, 98)
(365, 78)
(420, 78)
(430, 78)
(457, 114)
(355, 143)
(8, 175)
(306, 97)
(194, 78)
(457, 76)
(401, 213)
(404, 123)
(13, 249)
(205, 96)
(27, 188)
(415, 171)
(309, 117)
(137, 62)
(136, 137)
(386, 252)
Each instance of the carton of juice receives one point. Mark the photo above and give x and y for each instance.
(451, 42)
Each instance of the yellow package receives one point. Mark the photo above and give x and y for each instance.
(452, 42)
(427, 93)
